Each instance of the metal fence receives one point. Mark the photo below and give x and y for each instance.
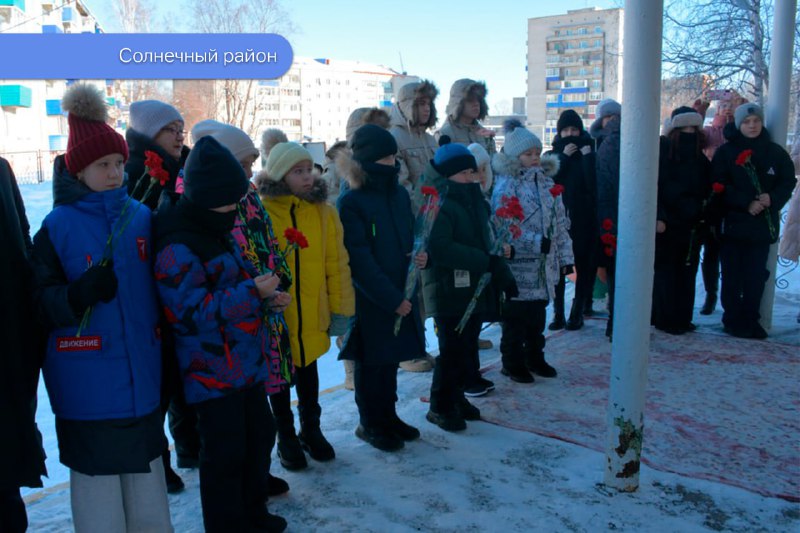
(32, 167)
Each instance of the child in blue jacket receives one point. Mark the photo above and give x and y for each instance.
(103, 376)
(214, 306)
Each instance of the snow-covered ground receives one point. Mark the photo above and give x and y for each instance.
(488, 478)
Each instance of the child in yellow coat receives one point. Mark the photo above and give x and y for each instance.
(322, 292)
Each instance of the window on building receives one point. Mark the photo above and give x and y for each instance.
(592, 109)
(551, 98)
(584, 44)
(598, 43)
(583, 31)
(551, 72)
(596, 95)
(598, 29)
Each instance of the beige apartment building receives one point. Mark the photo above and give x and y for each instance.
(574, 61)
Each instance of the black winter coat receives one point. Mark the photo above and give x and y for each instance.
(775, 173)
(138, 144)
(379, 236)
(577, 174)
(460, 241)
(608, 173)
(684, 184)
(21, 453)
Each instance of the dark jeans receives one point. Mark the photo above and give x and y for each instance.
(744, 275)
(676, 262)
(457, 353)
(523, 331)
(236, 434)
(13, 518)
(376, 393)
(307, 387)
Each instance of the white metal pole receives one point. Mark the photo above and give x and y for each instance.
(641, 94)
(777, 117)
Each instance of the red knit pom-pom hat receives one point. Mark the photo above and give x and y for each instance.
(90, 137)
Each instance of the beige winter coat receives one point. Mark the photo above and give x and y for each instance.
(415, 146)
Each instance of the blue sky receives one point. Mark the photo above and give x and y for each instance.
(441, 41)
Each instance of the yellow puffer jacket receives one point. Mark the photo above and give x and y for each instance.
(322, 289)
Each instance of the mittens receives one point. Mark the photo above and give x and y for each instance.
(97, 284)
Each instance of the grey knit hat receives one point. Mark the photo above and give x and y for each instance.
(518, 138)
(149, 116)
(744, 111)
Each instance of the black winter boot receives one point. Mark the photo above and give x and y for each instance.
(710, 303)
(558, 307)
(311, 437)
(575, 320)
(174, 481)
(290, 452)
(536, 364)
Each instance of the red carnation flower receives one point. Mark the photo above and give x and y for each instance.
(609, 239)
(608, 251)
(429, 191)
(152, 160)
(295, 237)
(744, 157)
(607, 224)
(718, 188)
(515, 231)
(556, 190)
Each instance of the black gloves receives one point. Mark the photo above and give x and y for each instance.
(502, 279)
(545, 245)
(97, 284)
(511, 290)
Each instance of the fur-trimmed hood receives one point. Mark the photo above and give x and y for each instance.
(269, 188)
(366, 115)
(505, 165)
(459, 92)
(402, 114)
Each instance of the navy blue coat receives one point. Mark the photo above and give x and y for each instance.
(379, 236)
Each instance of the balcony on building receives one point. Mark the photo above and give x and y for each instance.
(15, 96)
(19, 4)
(53, 107)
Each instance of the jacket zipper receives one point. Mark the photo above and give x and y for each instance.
(297, 295)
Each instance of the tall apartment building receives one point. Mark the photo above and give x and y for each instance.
(33, 127)
(311, 102)
(574, 61)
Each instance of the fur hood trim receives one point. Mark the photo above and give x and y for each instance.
(403, 110)
(269, 188)
(348, 168)
(459, 92)
(502, 164)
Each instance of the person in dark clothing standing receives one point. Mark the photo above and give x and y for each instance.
(575, 150)
(606, 131)
(684, 186)
(158, 127)
(213, 300)
(379, 237)
(460, 248)
(21, 453)
(758, 176)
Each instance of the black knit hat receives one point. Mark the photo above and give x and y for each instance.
(371, 143)
(569, 118)
(452, 158)
(214, 178)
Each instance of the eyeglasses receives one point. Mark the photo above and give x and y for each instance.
(174, 131)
